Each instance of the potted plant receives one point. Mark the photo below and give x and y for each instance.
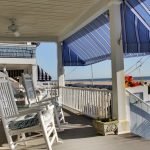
(106, 126)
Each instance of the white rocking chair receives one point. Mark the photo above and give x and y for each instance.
(60, 119)
(32, 99)
(19, 123)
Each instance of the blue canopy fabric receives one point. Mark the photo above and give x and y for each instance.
(135, 34)
(91, 44)
(141, 9)
(42, 75)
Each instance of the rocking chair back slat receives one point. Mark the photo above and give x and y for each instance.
(29, 87)
(7, 104)
(15, 123)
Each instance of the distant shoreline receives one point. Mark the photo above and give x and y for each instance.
(99, 83)
(144, 78)
(89, 84)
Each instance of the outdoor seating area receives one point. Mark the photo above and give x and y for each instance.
(38, 118)
(40, 115)
(65, 128)
(33, 99)
(18, 126)
(79, 134)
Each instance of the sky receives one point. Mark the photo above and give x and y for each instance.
(46, 55)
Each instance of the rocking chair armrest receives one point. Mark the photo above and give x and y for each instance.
(26, 112)
(38, 104)
(30, 111)
(48, 99)
(33, 109)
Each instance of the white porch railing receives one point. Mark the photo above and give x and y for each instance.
(139, 116)
(91, 102)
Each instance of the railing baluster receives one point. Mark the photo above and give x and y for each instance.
(139, 116)
(87, 105)
(91, 102)
(97, 106)
(94, 103)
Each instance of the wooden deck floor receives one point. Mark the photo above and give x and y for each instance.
(80, 135)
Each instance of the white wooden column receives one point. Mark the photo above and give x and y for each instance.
(34, 74)
(60, 67)
(119, 104)
(60, 70)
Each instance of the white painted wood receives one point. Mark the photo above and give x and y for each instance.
(9, 112)
(59, 115)
(84, 18)
(34, 75)
(26, 39)
(18, 61)
(29, 88)
(35, 24)
(87, 101)
(44, 38)
(60, 67)
(139, 116)
(140, 89)
(40, 18)
(53, 99)
(61, 82)
(118, 82)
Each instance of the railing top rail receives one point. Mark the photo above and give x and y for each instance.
(139, 99)
(85, 88)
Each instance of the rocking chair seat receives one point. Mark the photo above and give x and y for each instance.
(24, 122)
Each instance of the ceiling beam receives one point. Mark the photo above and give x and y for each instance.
(93, 12)
(26, 39)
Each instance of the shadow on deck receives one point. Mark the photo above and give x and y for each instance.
(2, 135)
(80, 135)
(78, 127)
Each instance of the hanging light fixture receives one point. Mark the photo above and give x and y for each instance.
(13, 27)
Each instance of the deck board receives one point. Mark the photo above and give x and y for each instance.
(80, 135)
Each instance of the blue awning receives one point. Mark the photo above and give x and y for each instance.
(135, 32)
(141, 9)
(91, 44)
(42, 75)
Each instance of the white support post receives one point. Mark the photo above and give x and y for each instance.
(119, 104)
(60, 67)
(60, 70)
(34, 75)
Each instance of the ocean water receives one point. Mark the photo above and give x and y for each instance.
(144, 78)
(101, 80)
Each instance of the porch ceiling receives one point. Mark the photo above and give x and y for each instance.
(45, 19)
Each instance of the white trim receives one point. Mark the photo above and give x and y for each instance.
(17, 61)
(115, 2)
(119, 103)
(88, 16)
(60, 66)
(14, 45)
(26, 39)
(124, 132)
